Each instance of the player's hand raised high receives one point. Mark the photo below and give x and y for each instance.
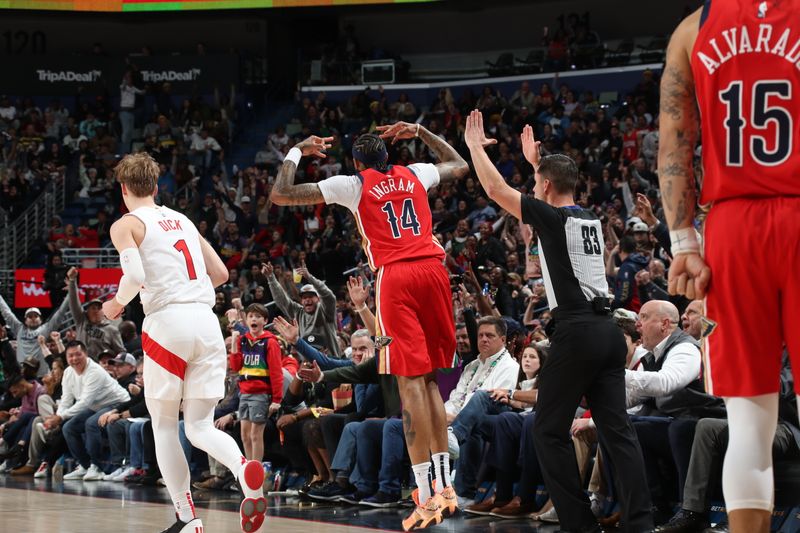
(314, 145)
(399, 131)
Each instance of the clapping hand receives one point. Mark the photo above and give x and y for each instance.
(267, 269)
(358, 293)
(475, 136)
(311, 375)
(290, 332)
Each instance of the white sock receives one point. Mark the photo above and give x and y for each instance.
(421, 472)
(441, 471)
(169, 454)
(184, 507)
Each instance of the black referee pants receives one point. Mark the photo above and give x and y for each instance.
(587, 358)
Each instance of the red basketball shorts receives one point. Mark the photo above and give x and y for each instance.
(415, 308)
(753, 249)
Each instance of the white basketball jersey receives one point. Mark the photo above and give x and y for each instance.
(174, 270)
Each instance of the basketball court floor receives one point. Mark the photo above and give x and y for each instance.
(41, 506)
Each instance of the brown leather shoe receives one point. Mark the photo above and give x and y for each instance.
(485, 507)
(514, 509)
(25, 470)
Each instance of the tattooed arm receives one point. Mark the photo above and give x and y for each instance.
(451, 165)
(285, 192)
(679, 125)
(678, 128)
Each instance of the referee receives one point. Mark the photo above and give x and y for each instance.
(587, 352)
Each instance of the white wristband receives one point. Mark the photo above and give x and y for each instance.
(294, 155)
(684, 241)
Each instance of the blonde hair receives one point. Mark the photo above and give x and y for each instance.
(139, 173)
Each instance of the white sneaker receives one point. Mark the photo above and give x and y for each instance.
(42, 471)
(94, 474)
(119, 478)
(452, 444)
(5, 467)
(112, 475)
(548, 516)
(78, 473)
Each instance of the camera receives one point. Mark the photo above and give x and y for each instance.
(455, 281)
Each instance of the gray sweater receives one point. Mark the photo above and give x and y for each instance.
(97, 337)
(27, 343)
(321, 323)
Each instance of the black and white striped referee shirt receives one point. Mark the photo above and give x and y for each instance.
(571, 252)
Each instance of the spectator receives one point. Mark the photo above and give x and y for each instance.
(257, 358)
(93, 329)
(130, 337)
(28, 332)
(88, 392)
(669, 384)
(124, 365)
(17, 430)
(625, 293)
(127, 103)
(316, 312)
(123, 427)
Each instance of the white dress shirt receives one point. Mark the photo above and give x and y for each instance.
(483, 375)
(679, 370)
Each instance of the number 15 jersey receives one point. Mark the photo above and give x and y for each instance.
(746, 66)
(174, 269)
(391, 210)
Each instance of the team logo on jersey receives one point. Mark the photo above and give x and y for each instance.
(708, 327)
(382, 341)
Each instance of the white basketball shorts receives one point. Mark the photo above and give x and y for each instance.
(185, 353)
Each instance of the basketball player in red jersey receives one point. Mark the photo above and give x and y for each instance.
(738, 61)
(174, 271)
(412, 291)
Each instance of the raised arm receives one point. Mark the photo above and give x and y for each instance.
(491, 180)
(8, 315)
(679, 125)
(285, 192)
(451, 165)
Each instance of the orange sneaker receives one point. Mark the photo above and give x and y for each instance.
(446, 500)
(423, 515)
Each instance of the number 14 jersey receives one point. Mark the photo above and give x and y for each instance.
(746, 66)
(174, 269)
(391, 210)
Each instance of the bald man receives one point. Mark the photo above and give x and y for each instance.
(669, 386)
(691, 319)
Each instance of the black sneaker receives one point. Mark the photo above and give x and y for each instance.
(329, 492)
(685, 521)
(185, 527)
(308, 487)
(354, 498)
(381, 500)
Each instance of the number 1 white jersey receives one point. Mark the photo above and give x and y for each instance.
(174, 270)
